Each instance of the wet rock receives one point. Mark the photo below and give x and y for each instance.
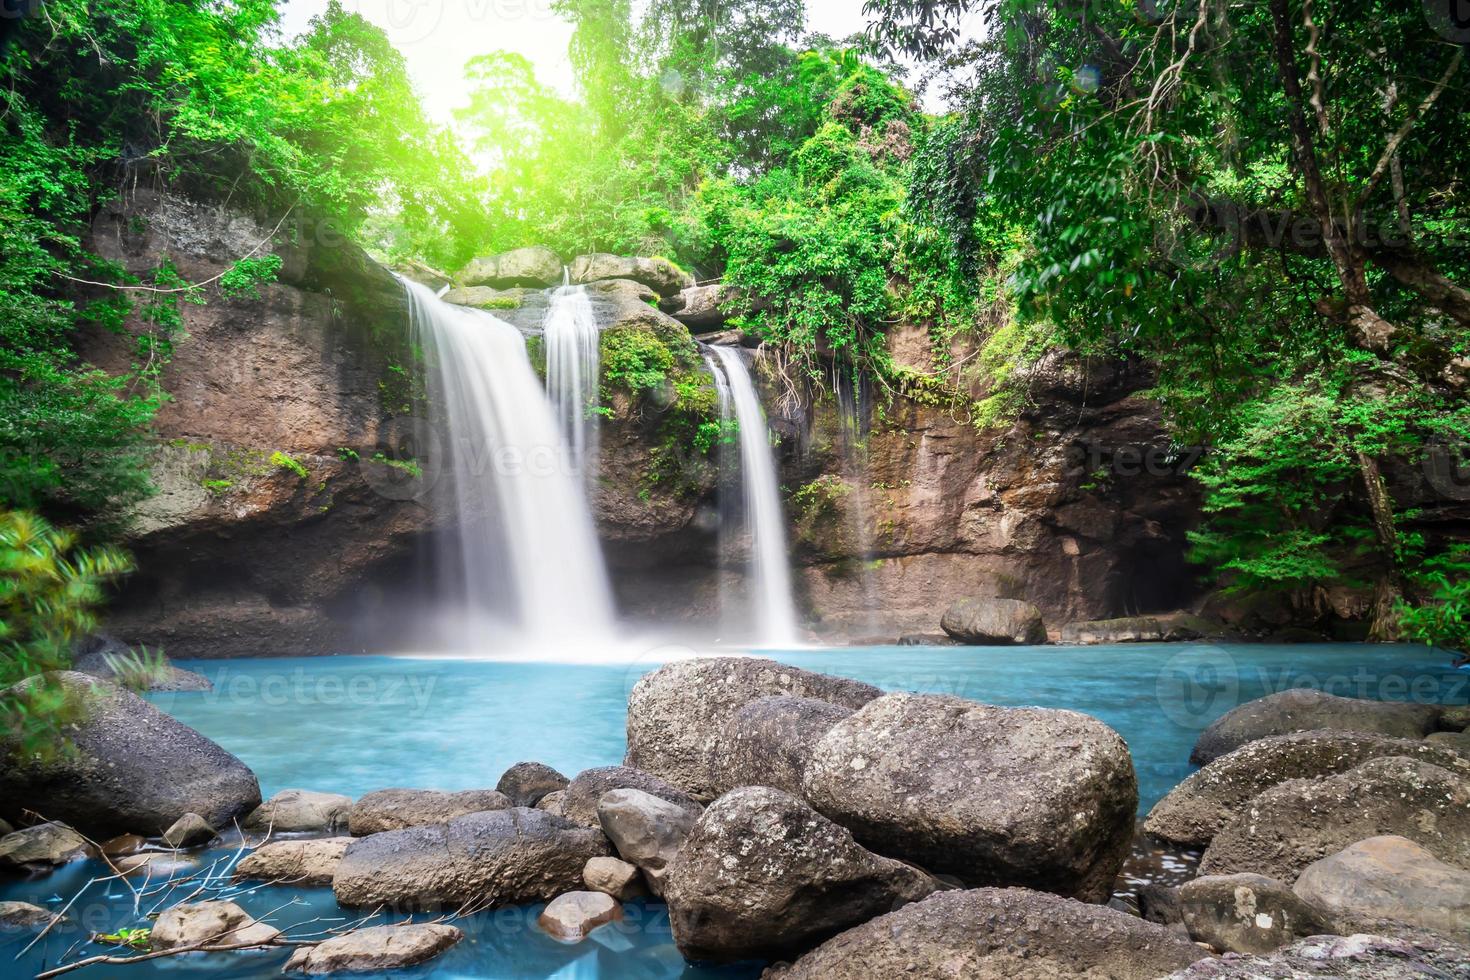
(212, 925)
(996, 934)
(762, 875)
(23, 917)
(376, 948)
(614, 877)
(984, 621)
(1024, 796)
(1300, 710)
(123, 844)
(1247, 913)
(527, 783)
(497, 857)
(300, 811)
(190, 830)
(580, 800)
(647, 831)
(536, 268)
(1389, 881)
(570, 917)
(156, 866)
(677, 714)
(1358, 957)
(660, 275)
(394, 809)
(295, 862)
(1159, 903)
(1289, 826)
(1196, 809)
(769, 741)
(134, 769)
(42, 847)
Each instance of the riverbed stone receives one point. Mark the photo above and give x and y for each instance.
(646, 830)
(214, 924)
(23, 917)
(1291, 825)
(132, 768)
(41, 847)
(376, 948)
(300, 811)
(1389, 881)
(1195, 810)
(677, 714)
(993, 796)
(190, 830)
(762, 876)
(527, 783)
(580, 800)
(570, 917)
(394, 809)
(1303, 709)
(536, 267)
(492, 858)
(1247, 913)
(658, 274)
(1357, 957)
(156, 865)
(996, 934)
(769, 741)
(613, 876)
(295, 862)
(986, 621)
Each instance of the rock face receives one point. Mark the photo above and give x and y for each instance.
(763, 875)
(134, 769)
(1301, 821)
(677, 714)
(1247, 913)
(42, 847)
(997, 934)
(213, 925)
(375, 948)
(647, 831)
(1342, 958)
(295, 862)
(985, 621)
(300, 811)
(1389, 881)
(536, 267)
(499, 857)
(394, 809)
(1300, 710)
(1196, 809)
(660, 275)
(570, 917)
(527, 783)
(769, 741)
(1027, 796)
(579, 801)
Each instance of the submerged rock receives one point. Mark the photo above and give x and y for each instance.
(295, 862)
(677, 714)
(762, 875)
(983, 621)
(190, 830)
(133, 769)
(41, 847)
(769, 741)
(498, 857)
(580, 800)
(527, 783)
(376, 948)
(213, 925)
(1358, 957)
(1005, 796)
(394, 809)
(570, 917)
(646, 830)
(997, 934)
(1300, 710)
(1389, 881)
(1247, 913)
(536, 267)
(658, 274)
(23, 917)
(300, 811)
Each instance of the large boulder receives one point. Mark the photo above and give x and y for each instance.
(1389, 881)
(131, 768)
(394, 809)
(1302, 710)
(1196, 809)
(296, 811)
(647, 831)
(658, 274)
(375, 949)
(677, 714)
(1003, 796)
(1141, 629)
(42, 847)
(579, 801)
(497, 857)
(1247, 913)
(1360, 957)
(763, 875)
(1300, 821)
(209, 925)
(984, 621)
(295, 862)
(769, 741)
(527, 783)
(997, 934)
(536, 267)
(701, 308)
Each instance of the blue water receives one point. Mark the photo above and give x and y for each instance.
(355, 724)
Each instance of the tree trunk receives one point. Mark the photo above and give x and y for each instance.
(1388, 590)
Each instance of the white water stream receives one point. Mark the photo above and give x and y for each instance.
(572, 360)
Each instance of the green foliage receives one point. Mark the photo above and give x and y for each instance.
(138, 670)
(409, 466)
(138, 939)
(287, 462)
(1443, 618)
(244, 278)
(635, 359)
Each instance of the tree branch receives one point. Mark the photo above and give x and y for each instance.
(1391, 149)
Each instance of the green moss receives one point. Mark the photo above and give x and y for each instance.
(286, 462)
(500, 303)
(218, 486)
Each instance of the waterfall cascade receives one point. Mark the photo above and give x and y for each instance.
(523, 544)
(572, 352)
(770, 576)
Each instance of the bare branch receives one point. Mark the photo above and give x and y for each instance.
(1392, 148)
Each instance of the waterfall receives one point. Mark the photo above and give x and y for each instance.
(523, 543)
(760, 499)
(572, 342)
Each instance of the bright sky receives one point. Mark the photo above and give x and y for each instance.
(437, 37)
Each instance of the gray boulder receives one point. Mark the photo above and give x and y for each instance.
(190, 830)
(658, 274)
(647, 831)
(527, 783)
(1004, 796)
(769, 741)
(133, 769)
(375, 949)
(763, 875)
(1196, 809)
(984, 621)
(1300, 821)
(1247, 913)
(210, 925)
(394, 809)
(536, 267)
(1358, 957)
(701, 308)
(677, 714)
(1389, 881)
(293, 811)
(295, 862)
(1301, 710)
(570, 917)
(493, 858)
(997, 934)
(42, 847)
(579, 801)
